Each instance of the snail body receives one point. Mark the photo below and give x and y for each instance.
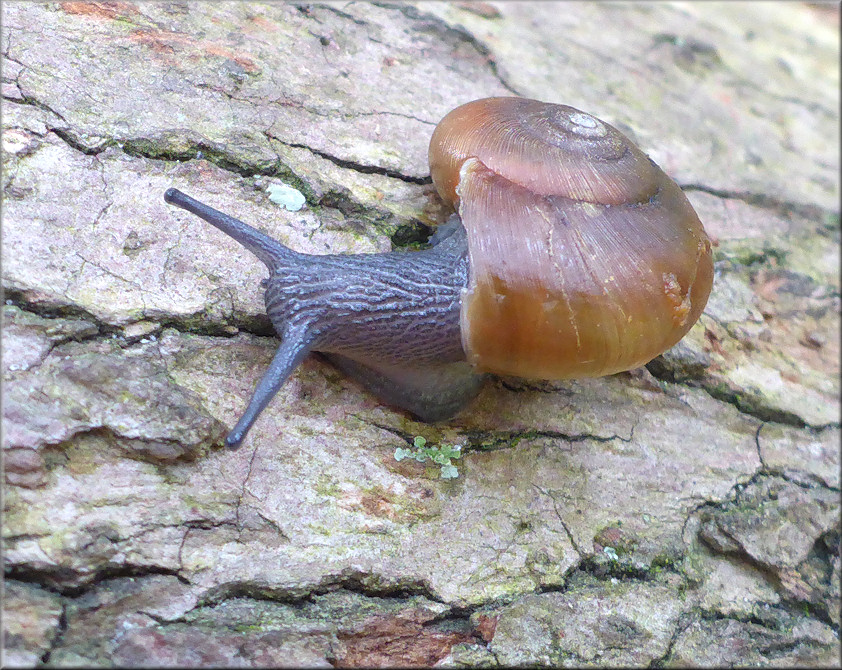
(571, 255)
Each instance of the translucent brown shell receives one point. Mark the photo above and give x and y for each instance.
(585, 258)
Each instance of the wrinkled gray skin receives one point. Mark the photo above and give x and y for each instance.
(390, 321)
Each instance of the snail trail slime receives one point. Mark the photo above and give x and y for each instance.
(571, 254)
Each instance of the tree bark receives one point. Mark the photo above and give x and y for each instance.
(686, 513)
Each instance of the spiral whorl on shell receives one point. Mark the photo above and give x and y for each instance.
(585, 258)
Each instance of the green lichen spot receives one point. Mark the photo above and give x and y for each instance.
(442, 455)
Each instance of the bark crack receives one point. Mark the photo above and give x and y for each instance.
(460, 34)
(741, 400)
(785, 208)
(573, 543)
(682, 624)
(766, 471)
(51, 579)
(353, 165)
(57, 639)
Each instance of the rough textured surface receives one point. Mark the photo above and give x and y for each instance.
(682, 514)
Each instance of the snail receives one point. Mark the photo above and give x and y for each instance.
(571, 254)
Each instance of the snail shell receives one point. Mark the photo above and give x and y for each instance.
(585, 258)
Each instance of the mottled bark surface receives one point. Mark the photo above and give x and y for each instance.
(682, 514)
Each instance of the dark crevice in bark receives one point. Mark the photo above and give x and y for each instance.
(785, 208)
(27, 100)
(7, 56)
(743, 401)
(683, 623)
(768, 414)
(764, 617)
(790, 604)
(804, 477)
(608, 570)
(757, 478)
(763, 465)
(54, 579)
(805, 480)
(771, 573)
(747, 405)
(196, 324)
(491, 441)
(570, 538)
(158, 148)
(305, 9)
(56, 640)
(591, 566)
(59, 341)
(450, 620)
(74, 142)
(17, 298)
(366, 169)
(352, 165)
(456, 33)
(367, 584)
(364, 584)
(157, 618)
(479, 441)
